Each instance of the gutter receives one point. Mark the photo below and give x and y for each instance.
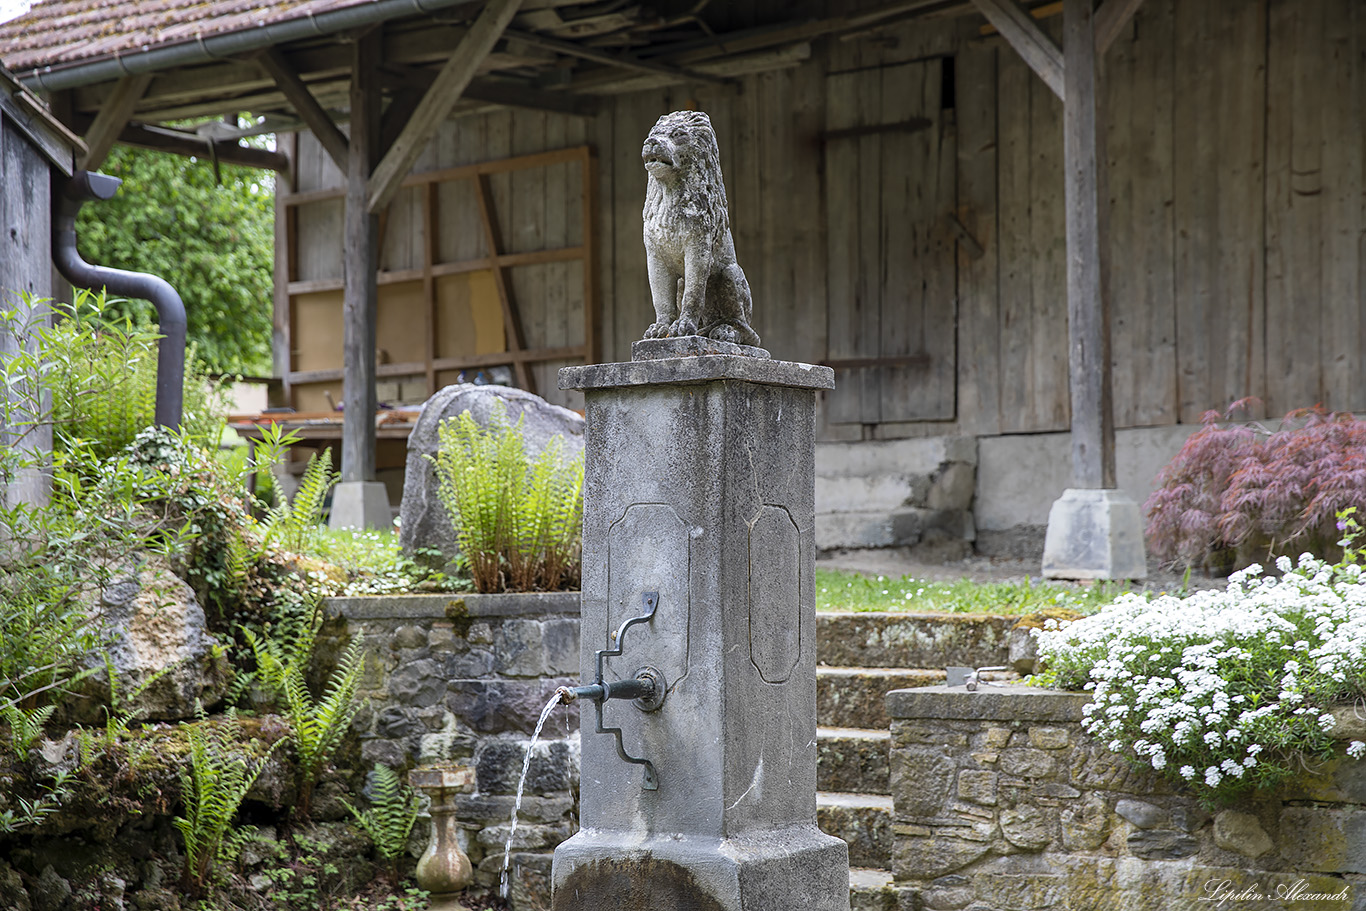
(70, 195)
(230, 44)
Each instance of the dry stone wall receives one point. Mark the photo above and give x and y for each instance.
(1004, 803)
(462, 679)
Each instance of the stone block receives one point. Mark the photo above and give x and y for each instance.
(408, 636)
(929, 858)
(863, 822)
(518, 648)
(953, 487)
(360, 504)
(862, 639)
(446, 746)
(1323, 840)
(499, 767)
(418, 683)
(495, 706)
(560, 641)
(1022, 891)
(1086, 825)
(921, 780)
(1094, 534)
(1027, 763)
(1140, 813)
(977, 786)
(475, 663)
(1242, 833)
(1046, 738)
(1027, 827)
(1161, 844)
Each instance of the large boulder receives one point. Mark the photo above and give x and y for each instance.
(424, 524)
(150, 620)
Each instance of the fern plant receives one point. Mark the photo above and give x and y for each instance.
(389, 818)
(292, 523)
(517, 522)
(317, 726)
(218, 778)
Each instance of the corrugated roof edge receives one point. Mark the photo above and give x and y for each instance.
(214, 47)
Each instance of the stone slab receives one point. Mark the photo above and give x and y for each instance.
(701, 369)
(655, 349)
(360, 504)
(906, 639)
(1004, 703)
(773, 870)
(1094, 534)
(453, 606)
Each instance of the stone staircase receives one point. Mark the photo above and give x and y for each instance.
(861, 657)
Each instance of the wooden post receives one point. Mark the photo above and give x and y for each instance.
(360, 261)
(1088, 311)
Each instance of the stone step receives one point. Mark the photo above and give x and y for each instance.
(863, 821)
(871, 890)
(896, 639)
(854, 697)
(852, 760)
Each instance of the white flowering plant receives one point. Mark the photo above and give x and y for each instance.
(1224, 691)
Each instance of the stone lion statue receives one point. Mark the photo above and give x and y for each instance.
(697, 286)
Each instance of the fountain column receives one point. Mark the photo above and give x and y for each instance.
(700, 487)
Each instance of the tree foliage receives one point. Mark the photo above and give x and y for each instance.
(213, 242)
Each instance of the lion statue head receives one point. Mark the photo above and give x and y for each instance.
(684, 167)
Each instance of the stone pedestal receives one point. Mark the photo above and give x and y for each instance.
(700, 486)
(360, 504)
(1094, 534)
(444, 870)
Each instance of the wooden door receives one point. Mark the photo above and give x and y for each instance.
(889, 184)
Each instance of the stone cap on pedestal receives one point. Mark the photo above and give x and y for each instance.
(694, 359)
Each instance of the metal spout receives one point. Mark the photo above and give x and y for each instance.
(643, 686)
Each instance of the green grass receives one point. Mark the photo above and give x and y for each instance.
(849, 591)
(374, 564)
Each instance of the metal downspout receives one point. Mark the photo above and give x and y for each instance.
(216, 47)
(69, 195)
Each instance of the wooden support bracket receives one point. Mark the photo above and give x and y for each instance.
(1031, 42)
(113, 117)
(437, 103)
(512, 322)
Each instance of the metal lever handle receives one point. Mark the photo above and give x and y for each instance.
(647, 687)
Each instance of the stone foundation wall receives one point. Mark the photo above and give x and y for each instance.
(462, 679)
(1004, 803)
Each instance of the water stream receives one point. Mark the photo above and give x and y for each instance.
(521, 784)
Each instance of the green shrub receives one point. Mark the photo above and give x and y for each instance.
(317, 726)
(517, 522)
(213, 787)
(1223, 691)
(389, 818)
(1236, 493)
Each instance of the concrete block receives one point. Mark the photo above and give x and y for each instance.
(954, 487)
(1094, 534)
(360, 504)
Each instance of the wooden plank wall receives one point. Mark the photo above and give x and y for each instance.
(1236, 142)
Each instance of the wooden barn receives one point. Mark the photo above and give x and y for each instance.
(896, 175)
(37, 152)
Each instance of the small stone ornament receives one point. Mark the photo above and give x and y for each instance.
(697, 286)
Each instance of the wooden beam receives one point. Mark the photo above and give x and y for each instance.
(305, 105)
(286, 255)
(512, 322)
(1110, 20)
(178, 142)
(620, 60)
(1030, 42)
(436, 105)
(112, 118)
(360, 258)
(1088, 310)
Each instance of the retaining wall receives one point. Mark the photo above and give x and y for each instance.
(462, 679)
(1004, 803)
